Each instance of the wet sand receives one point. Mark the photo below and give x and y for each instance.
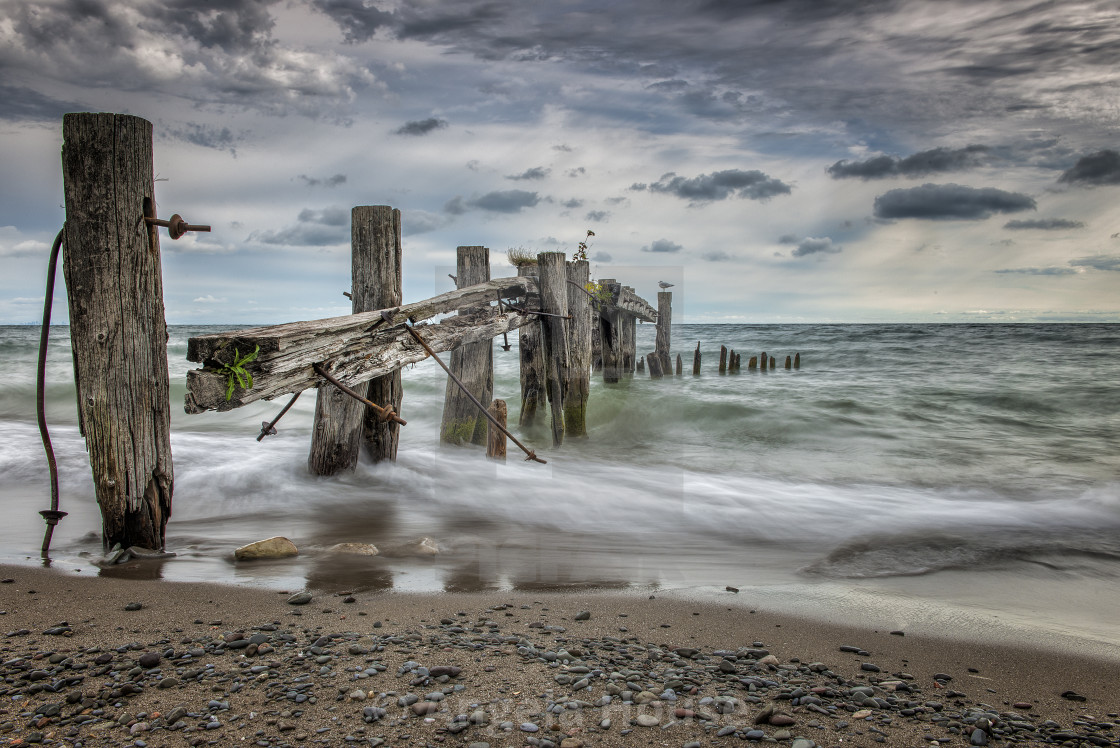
(84, 682)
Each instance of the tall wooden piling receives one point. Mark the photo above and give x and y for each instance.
(341, 422)
(696, 361)
(118, 331)
(723, 359)
(680, 365)
(495, 438)
(797, 361)
(578, 387)
(532, 365)
(554, 336)
(610, 338)
(664, 328)
(629, 327)
(472, 363)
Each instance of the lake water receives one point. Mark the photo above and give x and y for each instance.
(924, 476)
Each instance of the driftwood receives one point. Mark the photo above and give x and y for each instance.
(352, 354)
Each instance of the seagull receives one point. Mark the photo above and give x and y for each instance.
(663, 284)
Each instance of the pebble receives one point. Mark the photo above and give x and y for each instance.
(300, 598)
(647, 720)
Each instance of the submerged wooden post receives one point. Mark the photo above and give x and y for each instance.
(554, 336)
(797, 361)
(664, 328)
(789, 362)
(763, 360)
(654, 360)
(680, 366)
(696, 361)
(731, 361)
(773, 362)
(738, 362)
(118, 331)
(341, 422)
(723, 359)
(642, 364)
(472, 363)
(578, 375)
(495, 438)
(629, 335)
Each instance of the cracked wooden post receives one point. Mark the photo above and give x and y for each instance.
(554, 336)
(495, 439)
(578, 375)
(696, 361)
(473, 363)
(797, 361)
(629, 344)
(532, 365)
(118, 331)
(664, 328)
(610, 337)
(653, 358)
(342, 423)
(723, 359)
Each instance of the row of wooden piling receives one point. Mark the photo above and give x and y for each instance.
(730, 362)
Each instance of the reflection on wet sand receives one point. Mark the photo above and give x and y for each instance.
(347, 572)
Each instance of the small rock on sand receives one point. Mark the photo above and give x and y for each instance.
(275, 547)
(356, 549)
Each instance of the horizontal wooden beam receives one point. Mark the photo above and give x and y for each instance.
(219, 348)
(356, 347)
(625, 301)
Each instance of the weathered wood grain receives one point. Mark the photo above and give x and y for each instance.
(578, 374)
(554, 335)
(662, 342)
(532, 365)
(352, 361)
(696, 361)
(496, 439)
(341, 422)
(118, 331)
(473, 364)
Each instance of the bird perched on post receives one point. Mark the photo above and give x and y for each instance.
(663, 284)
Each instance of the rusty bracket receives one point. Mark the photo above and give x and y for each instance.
(268, 428)
(470, 396)
(505, 338)
(384, 412)
(175, 225)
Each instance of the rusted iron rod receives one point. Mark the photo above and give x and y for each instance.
(53, 515)
(531, 454)
(522, 310)
(268, 428)
(385, 412)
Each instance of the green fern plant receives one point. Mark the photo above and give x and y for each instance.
(236, 372)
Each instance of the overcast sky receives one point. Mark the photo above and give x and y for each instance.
(780, 161)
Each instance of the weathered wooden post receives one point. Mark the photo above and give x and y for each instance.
(610, 338)
(738, 362)
(789, 362)
(664, 328)
(629, 333)
(763, 361)
(731, 361)
(680, 365)
(341, 422)
(653, 358)
(532, 365)
(773, 362)
(753, 363)
(596, 344)
(495, 438)
(642, 364)
(118, 331)
(797, 361)
(554, 335)
(723, 359)
(578, 387)
(472, 363)
(696, 361)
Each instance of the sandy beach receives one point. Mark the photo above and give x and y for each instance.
(99, 661)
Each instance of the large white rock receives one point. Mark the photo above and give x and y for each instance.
(277, 547)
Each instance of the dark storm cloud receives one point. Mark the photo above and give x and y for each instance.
(358, 21)
(421, 127)
(719, 185)
(1037, 271)
(313, 228)
(815, 246)
(572, 204)
(218, 138)
(598, 216)
(917, 165)
(18, 104)
(788, 239)
(663, 245)
(1098, 262)
(950, 202)
(332, 181)
(716, 255)
(537, 172)
(501, 201)
(1045, 224)
(1102, 167)
(195, 50)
